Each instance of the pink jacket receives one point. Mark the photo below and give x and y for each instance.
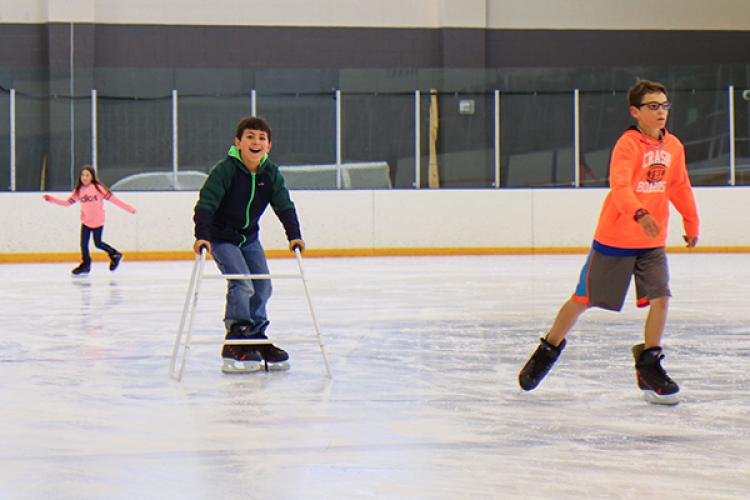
(92, 203)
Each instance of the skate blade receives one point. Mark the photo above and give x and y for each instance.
(657, 399)
(235, 366)
(278, 367)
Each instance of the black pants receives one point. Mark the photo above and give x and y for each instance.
(86, 235)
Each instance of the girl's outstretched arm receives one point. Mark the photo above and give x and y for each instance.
(117, 201)
(59, 201)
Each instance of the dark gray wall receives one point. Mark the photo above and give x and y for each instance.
(23, 45)
(295, 70)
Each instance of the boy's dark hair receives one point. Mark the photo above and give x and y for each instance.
(643, 87)
(253, 123)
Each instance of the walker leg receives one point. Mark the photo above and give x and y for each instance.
(181, 328)
(188, 311)
(298, 255)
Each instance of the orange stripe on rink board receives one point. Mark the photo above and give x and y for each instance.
(349, 252)
(96, 257)
(421, 251)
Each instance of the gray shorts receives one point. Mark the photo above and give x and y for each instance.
(605, 279)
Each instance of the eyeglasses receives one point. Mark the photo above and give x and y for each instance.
(654, 106)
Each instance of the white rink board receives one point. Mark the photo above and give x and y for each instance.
(525, 218)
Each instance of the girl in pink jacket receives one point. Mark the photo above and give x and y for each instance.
(91, 194)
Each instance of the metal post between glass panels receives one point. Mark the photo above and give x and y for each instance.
(417, 152)
(576, 138)
(732, 158)
(175, 157)
(253, 108)
(497, 139)
(338, 139)
(72, 89)
(12, 139)
(94, 120)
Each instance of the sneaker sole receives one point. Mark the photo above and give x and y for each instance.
(235, 366)
(657, 399)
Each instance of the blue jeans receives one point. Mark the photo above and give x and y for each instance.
(246, 299)
(86, 236)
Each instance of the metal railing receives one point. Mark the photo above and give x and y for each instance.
(495, 125)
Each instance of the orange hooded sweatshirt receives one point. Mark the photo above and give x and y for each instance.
(645, 173)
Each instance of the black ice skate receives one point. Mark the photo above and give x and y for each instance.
(275, 359)
(656, 385)
(240, 358)
(82, 268)
(539, 364)
(114, 260)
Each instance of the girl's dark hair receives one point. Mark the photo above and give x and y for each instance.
(253, 123)
(99, 186)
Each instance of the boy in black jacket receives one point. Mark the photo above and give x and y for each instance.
(231, 202)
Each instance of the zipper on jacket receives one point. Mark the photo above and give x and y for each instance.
(247, 209)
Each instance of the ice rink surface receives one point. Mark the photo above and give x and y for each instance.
(424, 401)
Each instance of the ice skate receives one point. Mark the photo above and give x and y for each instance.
(275, 359)
(656, 385)
(240, 358)
(82, 268)
(114, 260)
(539, 364)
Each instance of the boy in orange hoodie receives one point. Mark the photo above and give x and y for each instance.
(647, 172)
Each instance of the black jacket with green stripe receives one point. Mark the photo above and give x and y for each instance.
(233, 199)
